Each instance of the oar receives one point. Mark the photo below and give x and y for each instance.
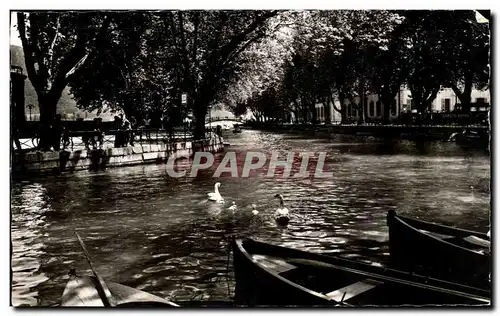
(102, 288)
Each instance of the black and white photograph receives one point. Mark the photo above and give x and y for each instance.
(249, 158)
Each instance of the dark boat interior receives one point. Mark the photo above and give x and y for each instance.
(464, 238)
(350, 286)
(445, 252)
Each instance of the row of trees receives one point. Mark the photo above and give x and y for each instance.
(380, 52)
(139, 62)
(269, 61)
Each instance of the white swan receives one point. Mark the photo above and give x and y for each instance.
(215, 196)
(254, 210)
(282, 210)
(282, 215)
(233, 207)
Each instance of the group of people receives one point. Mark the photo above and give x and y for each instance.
(126, 130)
(123, 131)
(96, 138)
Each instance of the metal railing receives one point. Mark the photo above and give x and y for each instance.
(80, 140)
(124, 138)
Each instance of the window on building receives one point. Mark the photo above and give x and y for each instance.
(447, 105)
(379, 108)
(349, 110)
(393, 107)
(372, 108)
(354, 111)
(481, 100)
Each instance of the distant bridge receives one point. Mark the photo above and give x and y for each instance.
(224, 123)
(217, 119)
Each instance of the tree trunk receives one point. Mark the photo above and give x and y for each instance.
(295, 115)
(326, 109)
(466, 101)
(200, 111)
(386, 103)
(305, 112)
(361, 113)
(48, 107)
(342, 110)
(312, 108)
(465, 96)
(361, 105)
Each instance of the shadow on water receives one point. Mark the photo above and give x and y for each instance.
(160, 234)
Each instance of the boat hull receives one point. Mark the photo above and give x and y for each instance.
(254, 287)
(82, 292)
(307, 279)
(415, 248)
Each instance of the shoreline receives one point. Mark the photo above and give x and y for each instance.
(407, 132)
(58, 162)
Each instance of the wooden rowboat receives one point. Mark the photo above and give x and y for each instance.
(444, 252)
(83, 292)
(95, 292)
(268, 275)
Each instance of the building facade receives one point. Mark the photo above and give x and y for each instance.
(445, 101)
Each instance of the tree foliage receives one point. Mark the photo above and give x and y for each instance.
(330, 53)
(195, 52)
(346, 55)
(272, 62)
(56, 46)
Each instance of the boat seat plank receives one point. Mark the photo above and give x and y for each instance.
(477, 241)
(276, 264)
(311, 263)
(353, 290)
(437, 235)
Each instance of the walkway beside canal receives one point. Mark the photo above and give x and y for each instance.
(80, 157)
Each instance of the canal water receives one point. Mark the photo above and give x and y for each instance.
(159, 234)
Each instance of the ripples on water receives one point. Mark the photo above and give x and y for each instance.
(160, 235)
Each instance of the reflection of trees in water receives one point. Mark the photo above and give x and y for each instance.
(422, 147)
(386, 147)
(56, 194)
(104, 188)
(391, 146)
